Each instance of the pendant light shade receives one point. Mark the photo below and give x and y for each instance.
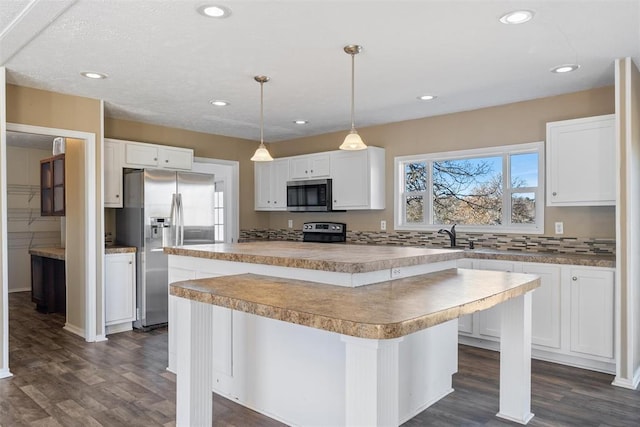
(261, 154)
(353, 141)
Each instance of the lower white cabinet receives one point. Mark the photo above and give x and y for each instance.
(592, 313)
(120, 291)
(572, 314)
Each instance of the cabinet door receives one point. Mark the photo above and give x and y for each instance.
(112, 174)
(592, 311)
(581, 162)
(278, 184)
(489, 320)
(545, 305)
(350, 174)
(311, 166)
(262, 187)
(140, 155)
(175, 158)
(120, 302)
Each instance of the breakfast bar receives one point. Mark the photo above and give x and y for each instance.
(311, 352)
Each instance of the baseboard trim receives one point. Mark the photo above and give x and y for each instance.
(74, 330)
(631, 384)
(101, 338)
(19, 290)
(120, 327)
(4, 373)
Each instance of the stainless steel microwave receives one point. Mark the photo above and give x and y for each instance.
(312, 195)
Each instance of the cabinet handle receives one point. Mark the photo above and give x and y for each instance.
(306, 171)
(117, 196)
(574, 278)
(275, 203)
(554, 194)
(155, 158)
(311, 170)
(166, 161)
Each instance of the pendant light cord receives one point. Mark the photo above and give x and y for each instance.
(353, 73)
(261, 112)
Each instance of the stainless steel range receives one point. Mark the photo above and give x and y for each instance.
(324, 232)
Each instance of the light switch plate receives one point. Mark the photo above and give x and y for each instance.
(559, 227)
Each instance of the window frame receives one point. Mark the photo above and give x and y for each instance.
(504, 151)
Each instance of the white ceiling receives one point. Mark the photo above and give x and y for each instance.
(165, 61)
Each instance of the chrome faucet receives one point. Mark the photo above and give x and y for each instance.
(452, 234)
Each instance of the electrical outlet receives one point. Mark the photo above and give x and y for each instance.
(290, 223)
(383, 225)
(559, 228)
(396, 272)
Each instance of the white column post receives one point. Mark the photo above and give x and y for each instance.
(372, 377)
(515, 360)
(194, 367)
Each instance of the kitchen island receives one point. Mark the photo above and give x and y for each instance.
(376, 350)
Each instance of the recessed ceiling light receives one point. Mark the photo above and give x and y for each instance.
(301, 122)
(426, 97)
(93, 75)
(214, 11)
(218, 102)
(517, 17)
(565, 68)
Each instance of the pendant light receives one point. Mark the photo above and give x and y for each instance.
(262, 154)
(353, 141)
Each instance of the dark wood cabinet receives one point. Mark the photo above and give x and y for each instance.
(48, 284)
(52, 194)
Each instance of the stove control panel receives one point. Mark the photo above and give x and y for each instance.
(324, 227)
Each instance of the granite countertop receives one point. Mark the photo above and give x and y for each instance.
(608, 261)
(59, 253)
(385, 310)
(342, 258)
(54, 253)
(117, 249)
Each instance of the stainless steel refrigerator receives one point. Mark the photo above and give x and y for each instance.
(162, 208)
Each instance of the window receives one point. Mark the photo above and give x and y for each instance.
(218, 212)
(483, 190)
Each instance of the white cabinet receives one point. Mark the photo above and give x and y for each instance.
(141, 155)
(581, 162)
(358, 179)
(112, 174)
(271, 185)
(592, 313)
(120, 291)
(572, 314)
(309, 166)
(545, 305)
(489, 320)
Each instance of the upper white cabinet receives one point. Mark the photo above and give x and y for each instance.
(581, 162)
(309, 166)
(358, 179)
(120, 154)
(112, 174)
(141, 155)
(271, 184)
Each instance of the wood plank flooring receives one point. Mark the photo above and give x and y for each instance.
(60, 380)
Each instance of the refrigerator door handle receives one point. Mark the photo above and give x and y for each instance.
(174, 220)
(181, 216)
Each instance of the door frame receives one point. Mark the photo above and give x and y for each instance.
(88, 331)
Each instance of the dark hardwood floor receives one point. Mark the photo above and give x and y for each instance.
(60, 380)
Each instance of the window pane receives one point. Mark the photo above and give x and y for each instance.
(415, 177)
(523, 208)
(524, 170)
(414, 209)
(468, 191)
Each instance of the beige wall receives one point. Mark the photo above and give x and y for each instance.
(503, 125)
(48, 109)
(204, 145)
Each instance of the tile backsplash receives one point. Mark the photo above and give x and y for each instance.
(514, 242)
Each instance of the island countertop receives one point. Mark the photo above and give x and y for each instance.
(379, 311)
(341, 258)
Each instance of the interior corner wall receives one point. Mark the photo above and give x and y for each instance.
(508, 124)
(4, 304)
